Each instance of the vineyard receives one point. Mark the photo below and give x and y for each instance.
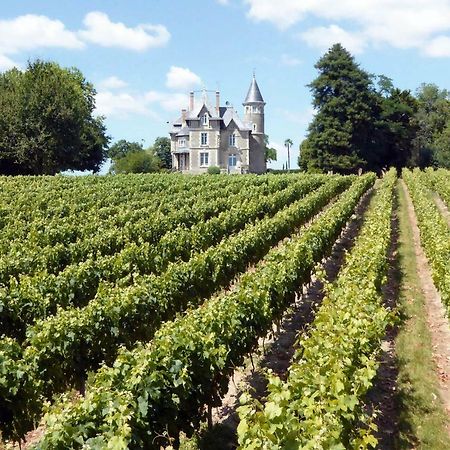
(128, 303)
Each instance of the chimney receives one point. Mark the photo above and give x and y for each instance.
(191, 101)
(218, 103)
(183, 117)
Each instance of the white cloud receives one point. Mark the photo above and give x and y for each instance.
(325, 37)
(120, 104)
(102, 31)
(168, 101)
(438, 47)
(29, 32)
(112, 82)
(403, 24)
(288, 60)
(181, 78)
(125, 104)
(7, 63)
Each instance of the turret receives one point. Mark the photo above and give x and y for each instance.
(254, 117)
(254, 108)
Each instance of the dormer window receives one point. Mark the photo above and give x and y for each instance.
(182, 142)
(232, 140)
(205, 119)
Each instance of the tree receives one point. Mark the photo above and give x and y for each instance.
(270, 153)
(342, 133)
(122, 148)
(397, 128)
(144, 161)
(161, 147)
(288, 144)
(47, 123)
(433, 120)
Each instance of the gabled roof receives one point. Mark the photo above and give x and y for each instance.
(231, 115)
(254, 94)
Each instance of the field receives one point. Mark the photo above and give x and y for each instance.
(128, 303)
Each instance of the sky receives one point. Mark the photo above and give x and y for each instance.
(144, 56)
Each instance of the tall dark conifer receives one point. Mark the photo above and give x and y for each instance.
(341, 136)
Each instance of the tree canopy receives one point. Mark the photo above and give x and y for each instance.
(341, 134)
(161, 147)
(432, 143)
(131, 157)
(47, 123)
(362, 125)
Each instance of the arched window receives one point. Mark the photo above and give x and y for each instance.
(254, 127)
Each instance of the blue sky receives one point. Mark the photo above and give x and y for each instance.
(144, 56)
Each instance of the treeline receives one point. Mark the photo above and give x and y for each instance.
(132, 157)
(364, 122)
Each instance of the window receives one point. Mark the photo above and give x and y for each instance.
(204, 159)
(232, 160)
(256, 109)
(204, 139)
(205, 119)
(182, 142)
(232, 140)
(254, 127)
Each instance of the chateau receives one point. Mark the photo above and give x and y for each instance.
(207, 135)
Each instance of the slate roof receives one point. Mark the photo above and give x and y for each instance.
(254, 94)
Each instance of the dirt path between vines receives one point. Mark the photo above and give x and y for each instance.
(437, 320)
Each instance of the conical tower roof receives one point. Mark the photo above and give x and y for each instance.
(254, 94)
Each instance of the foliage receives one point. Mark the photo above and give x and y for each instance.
(433, 121)
(397, 128)
(160, 388)
(144, 161)
(321, 405)
(214, 170)
(47, 123)
(341, 134)
(271, 154)
(161, 148)
(434, 229)
(122, 148)
(127, 313)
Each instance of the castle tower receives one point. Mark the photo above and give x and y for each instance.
(254, 116)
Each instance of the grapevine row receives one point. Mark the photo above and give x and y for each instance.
(38, 296)
(60, 350)
(321, 402)
(146, 226)
(434, 232)
(161, 387)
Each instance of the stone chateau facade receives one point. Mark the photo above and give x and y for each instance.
(207, 135)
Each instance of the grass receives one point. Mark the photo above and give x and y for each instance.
(422, 416)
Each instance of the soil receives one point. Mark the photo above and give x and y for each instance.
(437, 321)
